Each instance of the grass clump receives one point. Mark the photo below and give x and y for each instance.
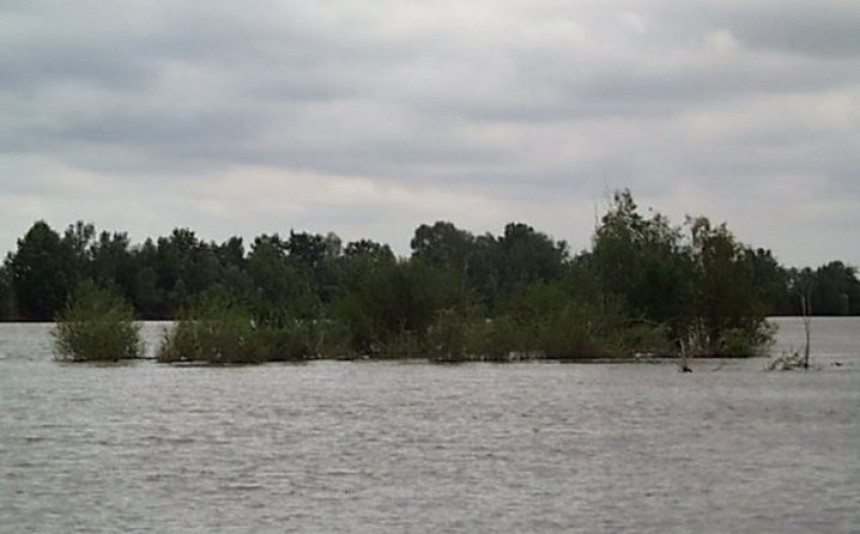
(97, 324)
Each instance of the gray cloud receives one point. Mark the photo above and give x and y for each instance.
(822, 29)
(370, 118)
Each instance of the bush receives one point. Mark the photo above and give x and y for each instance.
(646, 339)
(96, 325)
(446, 339)
(220, 330)
(573, 335)
(214, 330)
(498, 339)
(293, 340)
(739, 342)
(405, 344)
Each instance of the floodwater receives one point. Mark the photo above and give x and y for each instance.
(417, 447)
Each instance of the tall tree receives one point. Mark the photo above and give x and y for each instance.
(366, 270)
(44, 272)
(725, 296)
(78, 238)
(528, 256)
(283, 286)
(837, 290)
(442, 245)
(770, 280)
(7, 292)
(111, 262)
(644, 262)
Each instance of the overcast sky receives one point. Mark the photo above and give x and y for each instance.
(370, 118)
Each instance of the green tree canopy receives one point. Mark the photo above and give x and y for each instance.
(44, 271)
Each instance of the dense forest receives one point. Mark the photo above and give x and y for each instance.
(644, 282)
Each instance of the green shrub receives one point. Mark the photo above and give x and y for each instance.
(446, 339)
(332, 338)
(220, 330)
(497, 339)
(476, 338)
(646, 339)
(737, 343)
(740, 342)
(573, 335)
(406, 344)
(217, 331)
(96, 325)
(293, 340)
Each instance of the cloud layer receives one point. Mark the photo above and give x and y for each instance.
(369, 118)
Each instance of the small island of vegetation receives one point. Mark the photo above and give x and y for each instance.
(647, 287)
(96, 325)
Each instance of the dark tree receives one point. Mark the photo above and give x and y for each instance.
(837, 290)
(442, 245)
(112, 263)
(725, 295)
(528, 256)
(44, 271)
(7, 292)
(644, 262)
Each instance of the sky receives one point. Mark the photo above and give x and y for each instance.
(370, 118)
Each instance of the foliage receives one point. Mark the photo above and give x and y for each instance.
(442, 245)
(468, 335)
(96, 325)
(735, 342)
(702, 286)
(836, 290)
(646, 339)
(214, 330)
(498, 339)
(7, 295)
(220, 329)
(645, 286)
(43, 273)
(570, 334)
(645, 263)
(725, 299)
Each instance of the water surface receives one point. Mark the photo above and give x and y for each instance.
(415, 447)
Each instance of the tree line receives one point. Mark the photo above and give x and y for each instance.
(645, 283)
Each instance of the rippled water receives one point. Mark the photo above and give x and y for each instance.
(415, 447)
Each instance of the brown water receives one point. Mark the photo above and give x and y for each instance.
(415, 447)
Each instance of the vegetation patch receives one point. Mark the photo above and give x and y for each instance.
(213, 331)
(221, 330)
(645, 287)
(96, 325)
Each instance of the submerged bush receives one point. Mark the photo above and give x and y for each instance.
(223, 331)
(293, 340)
(739, 342)
(446, 339)
(499, 339)
(406, 344)
(646, 339)
(96, 325)
(570, 336)
(214, 331)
